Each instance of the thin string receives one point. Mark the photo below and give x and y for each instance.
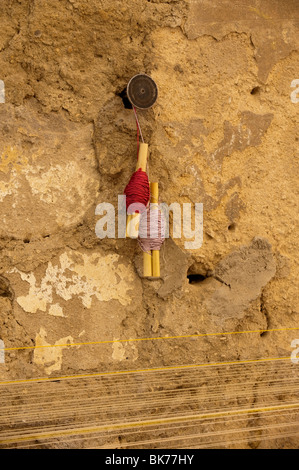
(119, 409)
(201, 421)
(155, 421)
(137, 138)
(203, 436)
(90, 411)
(63, 392)
(116, 446)
(151, 397)
(150, 420)
(66, 392)
(181, 368)
(129, 340)
(182, 426)
(113, 389)
(146, 405)
(139, 131)
(159, 424)
(212, 393)
(138, 124)
(67, 441)
(159, 380)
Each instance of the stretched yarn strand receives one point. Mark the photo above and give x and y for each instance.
(138, 124)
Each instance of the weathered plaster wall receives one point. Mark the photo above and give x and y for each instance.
(223, 132)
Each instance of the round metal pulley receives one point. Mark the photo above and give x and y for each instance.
(142, 91)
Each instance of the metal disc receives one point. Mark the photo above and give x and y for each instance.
(142, 91)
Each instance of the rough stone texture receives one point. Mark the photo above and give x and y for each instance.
(224, 132)
(243, 274)
(47, 182)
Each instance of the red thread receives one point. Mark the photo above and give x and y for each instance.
(137, 191)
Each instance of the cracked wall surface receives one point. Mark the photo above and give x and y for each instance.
(224, 132)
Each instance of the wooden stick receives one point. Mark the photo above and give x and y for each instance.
(154, 187)
(132, 227)
(147, 264)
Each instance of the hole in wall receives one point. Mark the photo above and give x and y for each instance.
(232, 227)
(256, 90)
(125, 99)
(5, 288)
(26, 240)
(197, 273)
(196, 278)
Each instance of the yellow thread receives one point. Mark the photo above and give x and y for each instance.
(147, 339)
(148, 423)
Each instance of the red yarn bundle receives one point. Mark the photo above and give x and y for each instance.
(137, 191)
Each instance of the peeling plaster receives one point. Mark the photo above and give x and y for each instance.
(49, 358)
(76, 274)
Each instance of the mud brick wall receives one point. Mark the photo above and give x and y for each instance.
(224, 132)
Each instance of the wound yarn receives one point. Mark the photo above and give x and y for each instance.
(151, 229)
(137, 192)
